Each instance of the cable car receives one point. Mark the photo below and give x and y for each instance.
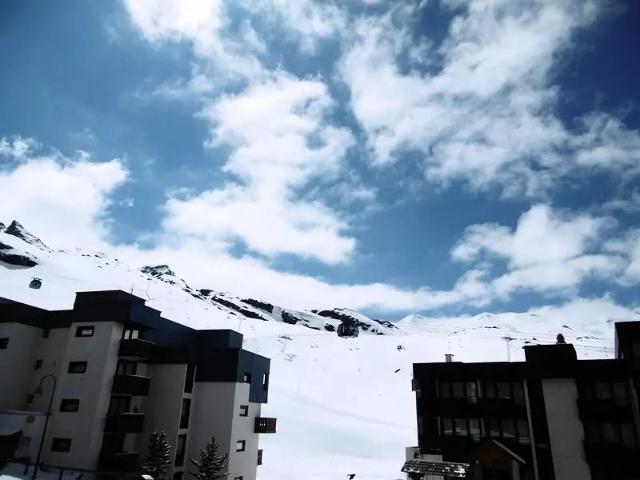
(35, 283)
(348, 329)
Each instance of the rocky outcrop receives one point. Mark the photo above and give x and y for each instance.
(12, 258)
(17, 230)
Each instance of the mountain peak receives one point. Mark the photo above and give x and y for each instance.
(17, 230)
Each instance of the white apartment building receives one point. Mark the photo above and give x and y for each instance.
(122, 372)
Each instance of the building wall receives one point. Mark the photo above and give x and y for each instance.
(566, 434)
(17, 363)
(92, 388)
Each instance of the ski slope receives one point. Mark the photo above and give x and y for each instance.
(344, 405)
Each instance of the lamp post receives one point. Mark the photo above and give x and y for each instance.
(37, 393)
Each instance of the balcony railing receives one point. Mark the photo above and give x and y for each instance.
(119, 462)
(135, 347)
(265, 425)
(131, 385)
(124, 423)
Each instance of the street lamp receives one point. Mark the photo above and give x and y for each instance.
(37, 393)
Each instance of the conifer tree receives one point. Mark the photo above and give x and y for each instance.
(211, 465)
(158, 459)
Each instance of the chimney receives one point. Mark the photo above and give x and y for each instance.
(448, 357)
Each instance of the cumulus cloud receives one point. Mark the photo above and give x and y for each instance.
(60, 198)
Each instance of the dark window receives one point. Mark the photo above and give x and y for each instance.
(447, 427)
(508, 429)
(38, 364)
(610, 433)
(472, 392)
(45, 333)
(265, 381)
(238, 478)
(130, 334)
(61, 445)
(592, 432)
(180, 450)
(457, 390)
(3, 343)
(635, 349)
(620, 393)
(246, 378)
(444, 389)
(77, 367)
(177, 476)
(184, 416)
(523, 432)
(518, 393)
(244, 410)
(86, 331)
(69, 405)
(461, 427)
(24, 441)
(504, 390)
(489, 390)
(603, 391)
(119, 405)
(493, 427)
(240, 445)
(188, 381)
(586, 390)
(127, 367)
(628, 435)
(475, 430)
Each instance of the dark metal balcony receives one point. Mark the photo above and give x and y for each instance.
(130, 385)
(136, 347)
(265, 425)
(259, 457)
(119, 462)
(124, 423)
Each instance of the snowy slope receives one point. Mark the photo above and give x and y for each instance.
(343, 405)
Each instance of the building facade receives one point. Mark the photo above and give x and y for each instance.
(551, 417)
(122, 372)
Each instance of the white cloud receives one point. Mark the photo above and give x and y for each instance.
(63, 199)
(280, 140)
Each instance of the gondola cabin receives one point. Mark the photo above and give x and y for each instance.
(348, 329)
(35, 283)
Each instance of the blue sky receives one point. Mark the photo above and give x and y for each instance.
(436, 156)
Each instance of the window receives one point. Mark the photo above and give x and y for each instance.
(38, 364)
(4, 342)
(628, 435)
(265, 381)
(508, 429)
(177, 476)
(77, 367)
(130, 334)
(244, 410)
(180, 450)
(447, 427)
(61, 445)
(184, 416)
(126, 367)
(489, 390)
(246, 378)
(494, 427)
(444, 389)
(592, 432)
(504, 390)
(188, 381)
(69, 405)
(45, 333)
(475, 429)
(85, 331)
(523, 432)
(240, 445)
(610, 433)
(238, 478)
(620, 393)
(24, 441)
(603, 391)
(457, 390)
(518, 393)
(119, 405)
(460, 427)
(472, 392)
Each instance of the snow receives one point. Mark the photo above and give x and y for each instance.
(15, 471)
(344, 405)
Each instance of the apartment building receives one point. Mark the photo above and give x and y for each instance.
(551, 417)
(121, 372)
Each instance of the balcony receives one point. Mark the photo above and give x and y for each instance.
(135, 347)
(259, 457)
(265, 425)
(119, 462)
(124, 423)
(130, 385)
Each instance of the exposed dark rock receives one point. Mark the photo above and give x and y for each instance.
(384, 323)
(17, 259)
(205, 291)
(329, 328)
(157, 271)
(267, 307)
(2, 226)
(4, 246)
(288, 318)
(244, 311)
(19, 231)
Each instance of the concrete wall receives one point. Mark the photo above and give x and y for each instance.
(17, 363)
(566, 434)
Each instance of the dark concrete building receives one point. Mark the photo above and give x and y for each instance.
(551, 417)
(122, 371)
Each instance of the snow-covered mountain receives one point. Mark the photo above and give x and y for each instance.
(344, 405)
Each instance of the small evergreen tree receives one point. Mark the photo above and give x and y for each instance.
(158, 459)
(211, 465)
